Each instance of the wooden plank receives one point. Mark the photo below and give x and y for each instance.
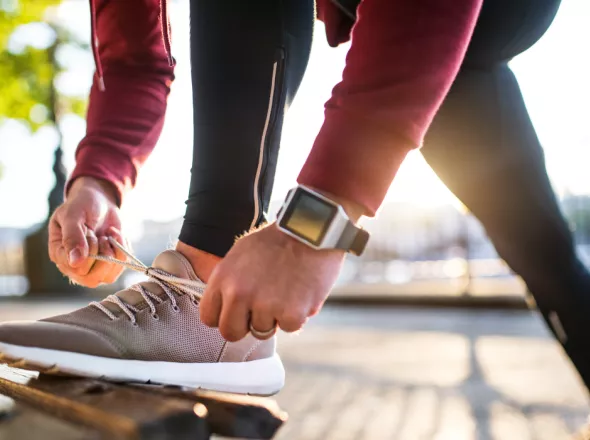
(24, 422)
(143, 411)
(19, 421)
(117, 411)
(233, 415)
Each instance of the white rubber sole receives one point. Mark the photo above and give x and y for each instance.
(263, 377)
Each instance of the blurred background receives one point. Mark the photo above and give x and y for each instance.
(423, 240)
(426, 249)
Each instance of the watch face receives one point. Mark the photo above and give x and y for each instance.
(308, 217)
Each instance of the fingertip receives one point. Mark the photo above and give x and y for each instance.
(230, 337)
(230, 334)
(208, 314)
(90, 235)
(206, 317)
(91, 238)
(75, 257)
(114, 231)
(105, 247)
(76, 249)
(115, 234)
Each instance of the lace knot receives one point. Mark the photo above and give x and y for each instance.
(168, 282)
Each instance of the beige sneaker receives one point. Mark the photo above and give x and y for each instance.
(150, 332)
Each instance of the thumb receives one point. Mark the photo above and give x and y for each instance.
(74, 242)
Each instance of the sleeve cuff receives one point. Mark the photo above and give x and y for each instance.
(113, 167)
(354, 160)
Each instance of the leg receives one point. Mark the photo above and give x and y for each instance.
(484, 147)
(248, 59)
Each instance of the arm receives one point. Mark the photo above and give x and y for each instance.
(125, 120)
(403, 59)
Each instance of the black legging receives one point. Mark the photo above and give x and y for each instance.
(481, 143)
(248, 59)
(483, 146)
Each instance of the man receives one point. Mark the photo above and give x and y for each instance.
(247, 61)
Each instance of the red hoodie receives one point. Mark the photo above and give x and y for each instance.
(404, 56)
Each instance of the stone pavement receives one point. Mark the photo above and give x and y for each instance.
(418, 374)
(411, 374)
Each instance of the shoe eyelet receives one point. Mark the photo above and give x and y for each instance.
(155, 317)
(135, 324)
(176, 309)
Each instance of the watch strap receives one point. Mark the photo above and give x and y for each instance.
(353, 239)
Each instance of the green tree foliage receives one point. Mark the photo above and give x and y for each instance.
(28, 70)
(29, 40)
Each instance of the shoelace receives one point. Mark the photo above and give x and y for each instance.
(168, 282)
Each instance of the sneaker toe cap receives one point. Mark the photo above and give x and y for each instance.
(54, 336)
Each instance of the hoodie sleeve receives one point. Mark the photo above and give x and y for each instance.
(403, 59)
(125, 119)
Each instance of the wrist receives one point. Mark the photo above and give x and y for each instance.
(353, 210)
(289, 244)
(104, 187)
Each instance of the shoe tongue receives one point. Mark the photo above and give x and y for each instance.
(175, 264)
(169, 261)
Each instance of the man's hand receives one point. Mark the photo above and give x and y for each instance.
(80, 228)
(270, 278)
